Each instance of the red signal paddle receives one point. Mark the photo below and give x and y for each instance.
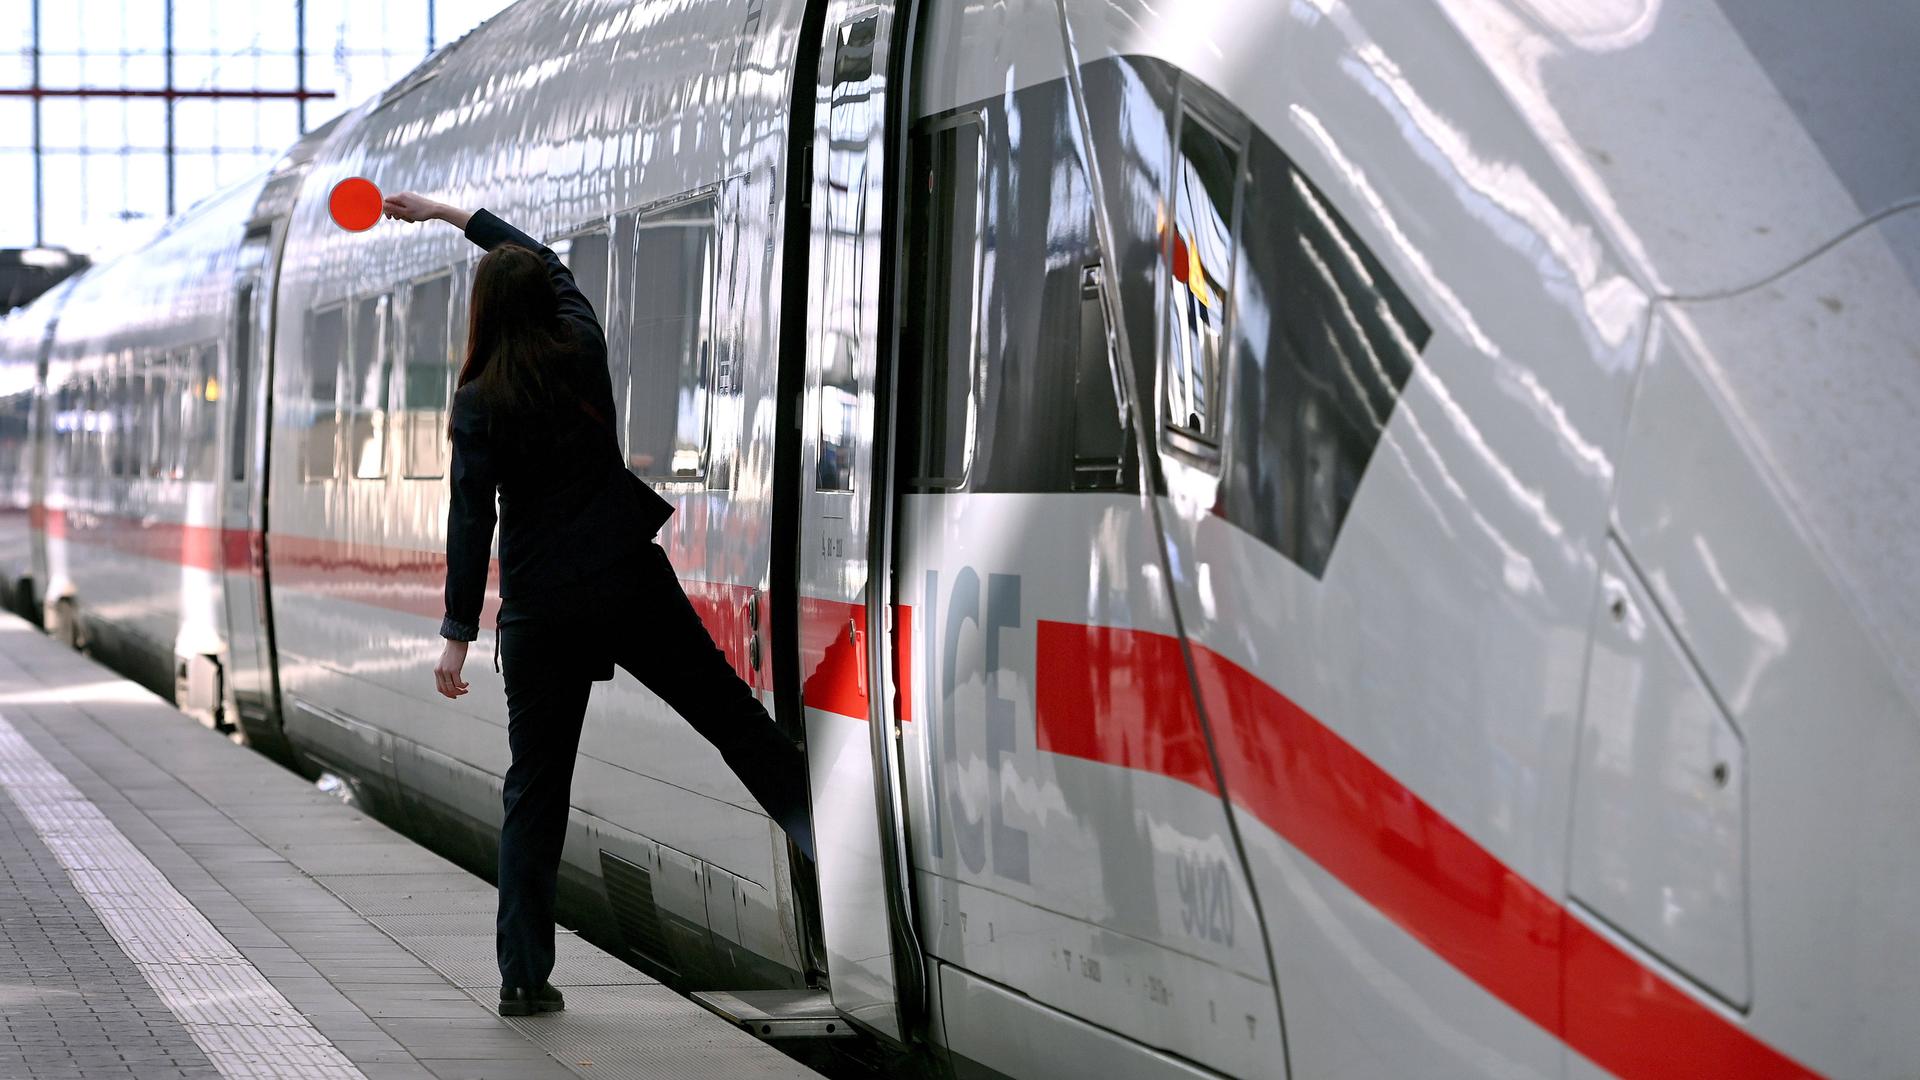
(354, 204)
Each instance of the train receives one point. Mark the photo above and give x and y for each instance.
(1340, 538)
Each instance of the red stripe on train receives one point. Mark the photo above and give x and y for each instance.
(194, 546)
(1120, 697)
(412, 582)
(1324, 797)
(833, 654)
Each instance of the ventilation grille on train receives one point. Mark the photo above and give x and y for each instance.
(630, 891)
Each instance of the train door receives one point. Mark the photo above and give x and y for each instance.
(842, 605)
(251, 678)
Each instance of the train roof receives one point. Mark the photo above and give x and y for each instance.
(169, 287)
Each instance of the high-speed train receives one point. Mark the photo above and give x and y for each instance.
(1327, 538)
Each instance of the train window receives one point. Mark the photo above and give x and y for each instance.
(100, 419)
(81, 423)
(14, 439)
(120, 416)
(17, 436)
(111, 439)
(326, 348)
(172, 398)
(182, 395)
(159, 433)
(139, 429)
(670, 339)
(370, 363)
(586, 254)
(1324, 340)
(172, 408)
(78, 440)
(1099, 430)
(93, 424)
(953, 232)
(13, 433)
(239, 389)
(428, 373)
(62, 449)
(1198, 253)
(126, 411)
(203, 397)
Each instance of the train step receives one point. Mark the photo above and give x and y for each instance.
(779, 1014)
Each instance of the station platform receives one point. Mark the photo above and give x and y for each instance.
(173, 905)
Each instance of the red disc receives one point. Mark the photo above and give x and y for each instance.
(354, 204)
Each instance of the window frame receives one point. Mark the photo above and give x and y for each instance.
(1196, 104)
(203, 420)
(598, 226)
(382, 364)
(977, 120)
(237, 391)
(625, 280)
(409, 469)
(158, 369)
(307, 474)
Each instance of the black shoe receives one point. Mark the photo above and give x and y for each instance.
(515, 1001)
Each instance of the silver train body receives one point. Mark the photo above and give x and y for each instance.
(1335, 538)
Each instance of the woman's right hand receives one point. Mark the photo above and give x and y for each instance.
(411, 206)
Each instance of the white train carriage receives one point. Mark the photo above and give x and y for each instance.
(24, 337)
(131, 455)
(1333, 539)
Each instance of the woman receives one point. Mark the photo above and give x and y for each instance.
(582, 585)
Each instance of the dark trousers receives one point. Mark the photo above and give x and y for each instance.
(552, 648)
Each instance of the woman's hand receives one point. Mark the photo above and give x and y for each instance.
(409, 206)
(412, 206)
(446, 673)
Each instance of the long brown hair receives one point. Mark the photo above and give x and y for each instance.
(518, 347)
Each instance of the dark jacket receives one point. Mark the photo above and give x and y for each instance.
(568, 505)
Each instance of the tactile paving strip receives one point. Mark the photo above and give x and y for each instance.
(246, 1027)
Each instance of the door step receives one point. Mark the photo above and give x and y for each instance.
(780, 1014)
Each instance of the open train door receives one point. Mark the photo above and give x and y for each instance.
(845, 608)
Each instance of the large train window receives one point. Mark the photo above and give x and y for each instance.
(13, 432)
(177, 428)
(427, 374)
(62, 437)
(586, 254)
(94, 420)
(204, 397)
(951, 230)
(1324, 340)
(239, 389)
(120, 403)
(370, 363)
(161, 435)
(99, 406)
(670, 337)
(180, 413)
(144, 432)
(1100, 442)
(174, 404)
(1007, 312)
(325, 349)
(1197, 258)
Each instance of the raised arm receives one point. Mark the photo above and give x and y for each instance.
(486, 229)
